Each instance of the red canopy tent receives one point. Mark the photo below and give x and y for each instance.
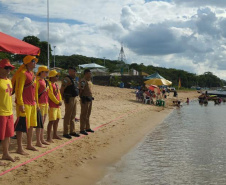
(13, 45)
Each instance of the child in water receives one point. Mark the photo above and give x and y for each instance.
(187, 101)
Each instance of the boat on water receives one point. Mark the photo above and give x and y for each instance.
(204, 98)
(221, 93)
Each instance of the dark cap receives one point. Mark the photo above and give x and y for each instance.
(87, 71)
(73, 68)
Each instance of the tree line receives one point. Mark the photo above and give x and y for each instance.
(188, 79)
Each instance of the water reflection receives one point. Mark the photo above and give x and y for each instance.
(189, 147)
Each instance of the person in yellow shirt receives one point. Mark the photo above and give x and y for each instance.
(6, 109)
(55, 101)
(41, 93)
(24, 83)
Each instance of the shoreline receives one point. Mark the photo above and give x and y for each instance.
(96, 168)
(159, 117)
(85, 161)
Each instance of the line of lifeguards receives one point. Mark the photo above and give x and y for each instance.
(35, 97)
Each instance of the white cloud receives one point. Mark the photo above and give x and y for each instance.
(85, 11)
(24, 27)
(111, 28)
(196, 3)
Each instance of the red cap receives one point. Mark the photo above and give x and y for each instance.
(6, 62)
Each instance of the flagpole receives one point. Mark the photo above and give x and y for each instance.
(179, 84)
(48, 30)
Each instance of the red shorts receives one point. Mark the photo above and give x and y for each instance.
(6, 127)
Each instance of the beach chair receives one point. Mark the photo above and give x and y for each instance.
(147, 97)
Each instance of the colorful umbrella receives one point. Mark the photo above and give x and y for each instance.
(158, 82)
(151, 87)
(156, 79)
(155, 75)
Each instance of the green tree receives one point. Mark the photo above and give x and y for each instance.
(35, 41)
(43, 45)
(43, 58)
(208, 79)
(6, 55)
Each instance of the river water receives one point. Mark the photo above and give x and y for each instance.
(189, 147)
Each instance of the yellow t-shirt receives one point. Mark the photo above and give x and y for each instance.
(6, 106)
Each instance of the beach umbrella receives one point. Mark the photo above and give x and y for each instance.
(151, 87)
(13, 45)
(157, 79)
(155, 75)
(158, 82)
(91, 66)
(154, 88)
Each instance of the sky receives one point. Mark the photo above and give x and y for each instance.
(188, 35)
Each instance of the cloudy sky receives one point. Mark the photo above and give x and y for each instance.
(182, 34)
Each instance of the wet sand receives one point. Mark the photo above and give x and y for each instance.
(84, 161)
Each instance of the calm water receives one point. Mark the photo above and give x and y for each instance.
(189, 147)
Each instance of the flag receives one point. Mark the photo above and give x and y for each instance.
(179, 83)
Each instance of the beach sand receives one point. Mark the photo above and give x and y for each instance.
(85, 161)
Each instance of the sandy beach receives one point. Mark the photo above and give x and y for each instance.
(84, 161)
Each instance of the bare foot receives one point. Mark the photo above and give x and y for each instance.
(57, 137)
(8, 158)
(50, 141)
(40, 145)
(21, 152)
(44, 143)
(31, 148)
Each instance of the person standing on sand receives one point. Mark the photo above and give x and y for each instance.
(69, 91)
(86, 98)
(24, 83)
(175, 94)
(6, 109)
(55, 101)
(163, 92)
(41, 93)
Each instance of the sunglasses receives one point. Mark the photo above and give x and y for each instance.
(57, 76)
(7, 67)
(33, 61)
